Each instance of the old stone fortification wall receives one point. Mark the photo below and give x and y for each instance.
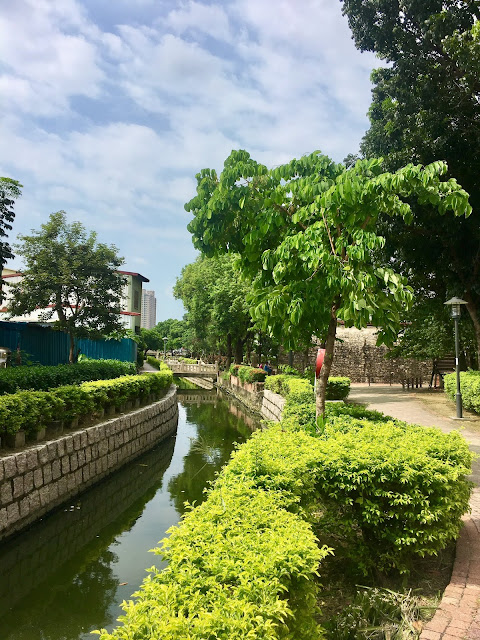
(42, 477)
(272, 406)
(358, 357)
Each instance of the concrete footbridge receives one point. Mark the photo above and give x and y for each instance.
(199, 370)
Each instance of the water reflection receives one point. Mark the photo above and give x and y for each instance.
(218, 431)
(69, 573)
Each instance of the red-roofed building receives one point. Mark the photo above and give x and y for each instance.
(132, 299)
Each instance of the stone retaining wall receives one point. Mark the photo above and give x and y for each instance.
(358, 357)
(272, 406)
(34, 481)
(250, 393)
(28, 560)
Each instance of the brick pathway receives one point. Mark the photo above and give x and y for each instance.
(458, 615)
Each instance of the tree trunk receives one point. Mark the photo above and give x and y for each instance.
(229, 350)
(473, 311)
(71, 355)
(290, 358)
(238, 351)
(327, 362)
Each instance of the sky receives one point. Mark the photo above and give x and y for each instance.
(109, 108)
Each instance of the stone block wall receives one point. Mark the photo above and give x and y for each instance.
(29, 559)
(250, 393)
(34, 481)
(358, 357)
(272, 406)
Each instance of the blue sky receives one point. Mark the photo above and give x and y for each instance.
(110, 108)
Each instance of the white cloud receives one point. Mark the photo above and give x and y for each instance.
(195, 16)
(167, 97)
(45, 49)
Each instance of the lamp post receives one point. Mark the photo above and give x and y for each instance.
(165, 347)
(455, 305)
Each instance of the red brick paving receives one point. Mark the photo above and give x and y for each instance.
(458, 615)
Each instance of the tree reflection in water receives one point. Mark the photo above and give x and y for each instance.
(218, 431)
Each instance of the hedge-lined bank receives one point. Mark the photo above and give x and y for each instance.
(242, 565)
(470, 385)
(42, 378)
(34, 410)
(246, 373)
(285, 384)
(154, 362)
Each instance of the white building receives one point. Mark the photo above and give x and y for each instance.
(131, 302)
(149, 309)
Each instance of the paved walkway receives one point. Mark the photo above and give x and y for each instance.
(458, 615)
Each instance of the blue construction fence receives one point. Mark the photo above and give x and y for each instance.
(40, 344)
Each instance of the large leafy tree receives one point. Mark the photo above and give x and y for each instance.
(426, 106)
(10, 190)
(68, 274)
(214, 294)
(306, 236)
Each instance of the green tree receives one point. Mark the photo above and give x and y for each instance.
(175, 331)
(426, 106)
(150, 340)
(10, 190)
(69, 274)
(306, 236)
(214, 294)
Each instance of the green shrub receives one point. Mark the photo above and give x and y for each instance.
(40, 378)
(275, 383)
(470, 385)
(251, 374)
(233, 370)
(354, 411)
(402, 486)
(154, 362)
(401, 489)
(32, 410)
(77, 401)
(239, 566)
(338, 388)
(288, 370)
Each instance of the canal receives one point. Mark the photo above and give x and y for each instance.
(69, 573)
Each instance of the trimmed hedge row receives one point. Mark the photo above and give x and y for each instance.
(247, 374)
(154, 362)
(241, 565)
(34, 410)
(338, 388)
(42, 378)
(470, 385)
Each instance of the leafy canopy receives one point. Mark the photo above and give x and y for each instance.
(214, 294)
(10, 190)
(306, 234)
(68, 274)
(426, 106)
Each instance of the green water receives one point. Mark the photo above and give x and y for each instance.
(70, 572)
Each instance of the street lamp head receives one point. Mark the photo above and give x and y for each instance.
(165, 338)
(455, 305)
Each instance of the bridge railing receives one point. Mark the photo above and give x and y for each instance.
(182, 367)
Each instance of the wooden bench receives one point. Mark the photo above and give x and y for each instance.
(441, 366)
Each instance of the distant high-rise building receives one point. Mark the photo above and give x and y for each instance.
(149, 310)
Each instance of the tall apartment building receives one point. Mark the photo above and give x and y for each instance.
(149, 310)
